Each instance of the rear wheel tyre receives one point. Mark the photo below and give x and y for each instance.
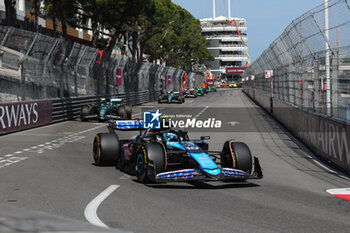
(122, 112)
(84, 112)
(106, 149)
(128, 110)
(146, 154)
(236, 155)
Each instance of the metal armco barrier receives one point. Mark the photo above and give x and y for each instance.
(327, 137)
(18, 116)
(66, 109)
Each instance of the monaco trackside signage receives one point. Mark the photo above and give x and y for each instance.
(268, 73)
(210, 83)
(23, 115)
(169, 79)
(118, 77)
(235, 70)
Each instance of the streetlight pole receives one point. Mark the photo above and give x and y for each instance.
(327, 60)
(229, 8)
(213, 9)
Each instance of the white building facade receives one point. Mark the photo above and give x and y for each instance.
(225, 43)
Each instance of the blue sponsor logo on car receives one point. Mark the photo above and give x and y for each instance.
(151, 120)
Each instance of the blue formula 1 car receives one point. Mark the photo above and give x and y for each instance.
(106, 109)
(166, 155)
(171, 97)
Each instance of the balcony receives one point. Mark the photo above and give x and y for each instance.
(230, 45)
(228, 49)
(207, 25)
(226, 37)
(232, 57)
(226, 29)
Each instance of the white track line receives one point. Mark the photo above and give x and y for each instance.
(125, 177)
(200, 113)
(45, 146)
(91, 209)
(136, 114)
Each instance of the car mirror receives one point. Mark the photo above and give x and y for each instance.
(205, 137)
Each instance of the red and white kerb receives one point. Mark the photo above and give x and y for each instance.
(341, 193)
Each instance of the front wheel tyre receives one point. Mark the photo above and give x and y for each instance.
(106, 149)
(150, 161)
(236, 155)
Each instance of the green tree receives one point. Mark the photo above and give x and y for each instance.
(180, 43)
(56, 10)
(163, 30)
(155, 28)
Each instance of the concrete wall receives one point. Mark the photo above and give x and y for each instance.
(328, 138)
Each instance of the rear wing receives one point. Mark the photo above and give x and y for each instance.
(126, 124)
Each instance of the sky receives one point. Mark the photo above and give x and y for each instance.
(266, 19)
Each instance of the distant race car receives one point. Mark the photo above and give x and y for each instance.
(233, 85)
(218, 84)
(166, 155)
(211, 88)
(171, 97)
(106, 109)
(190, 93)
(199, 91)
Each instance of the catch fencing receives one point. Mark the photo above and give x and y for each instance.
(35, 66)
(309, 88)
(298, 58)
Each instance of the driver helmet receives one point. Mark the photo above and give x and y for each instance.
(170, 137)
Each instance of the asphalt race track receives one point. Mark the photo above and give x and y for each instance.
(49, 169)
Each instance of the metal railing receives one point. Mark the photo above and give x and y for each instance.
(66, 109)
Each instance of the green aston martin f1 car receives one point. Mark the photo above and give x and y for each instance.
(199, 91)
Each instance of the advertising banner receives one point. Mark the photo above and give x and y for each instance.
(210, 83)
(23, 115)
(235, 70)
(118, 77)
(169, 79)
